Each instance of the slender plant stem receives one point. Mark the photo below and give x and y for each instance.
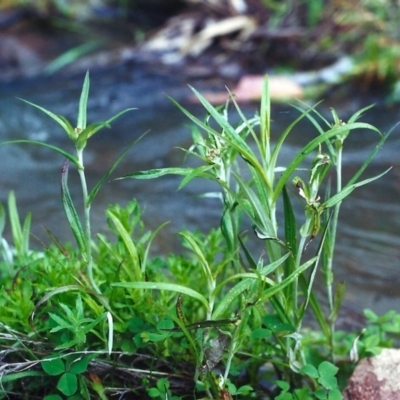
(334, 228)
(328, 271)
(88, 234)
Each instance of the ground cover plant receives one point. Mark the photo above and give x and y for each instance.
(104, 318)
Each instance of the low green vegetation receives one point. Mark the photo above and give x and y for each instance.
(105, 318)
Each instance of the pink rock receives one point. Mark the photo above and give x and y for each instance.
(376, 378)
(249, 88)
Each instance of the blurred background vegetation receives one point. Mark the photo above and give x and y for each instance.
(289, 35)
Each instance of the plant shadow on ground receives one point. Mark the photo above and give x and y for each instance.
(104, 319)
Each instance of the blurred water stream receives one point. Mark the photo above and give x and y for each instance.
(368, 248)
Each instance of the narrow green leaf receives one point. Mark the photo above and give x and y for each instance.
(283, 136)
(338, 300)
(229, 228)
(358, 113)
(172, 287)
(200, 172)
(291, 242)
(230, 136)
(278, 287)
(15, 223)
(62, 121)
(250, 260)
(18, 375)
(199, 254)
(372, 155)
(110, 341)
(70, 211)
(157, 173)
(26, 233)
(61, 323)
(319, 128)
(338, 197)
(129, 244)
(82, 112)
(229, 130)
(67, 155)
(257, 209)
(92, 129)
(148, 246)
(307, 285)
(290, 223)
(249, 276)
(243, 285)
(300, 157)
(212, 323)
(265, 117)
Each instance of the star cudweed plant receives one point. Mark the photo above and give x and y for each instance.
(243, 161)
(79, 135)
(223, 318)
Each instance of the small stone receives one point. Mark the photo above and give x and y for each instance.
(376, 378)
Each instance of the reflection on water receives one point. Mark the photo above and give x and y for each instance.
(368, 251)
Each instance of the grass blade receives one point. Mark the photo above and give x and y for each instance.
(19, 375)
(172, 287)
(306, 150)
(349, 188)
(157, 173)
(372, 155)
(130, 246)
(82, 112)
(67, 155)
(283, 136)
(241, 286)
(265, 117)
(200, 256)
(63, 122)
(290, 223)
(89, 131)
(70, 211)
